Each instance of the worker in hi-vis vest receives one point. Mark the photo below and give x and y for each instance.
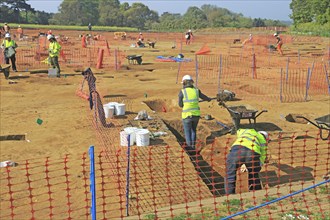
(189, 102)
(248, 152)
(54, 52)
(9, 48)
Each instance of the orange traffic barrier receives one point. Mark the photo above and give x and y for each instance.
(83, 41)
(204, 50)
(100, 59)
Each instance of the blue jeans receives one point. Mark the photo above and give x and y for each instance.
(238, 156)
(190, 126)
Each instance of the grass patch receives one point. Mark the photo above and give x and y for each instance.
(313, 191)
(232, 202)
(76, 28)
(324, 190)
(149, 217)
(268, 199)
(318, 216)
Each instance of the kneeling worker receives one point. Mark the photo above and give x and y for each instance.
(250, 148)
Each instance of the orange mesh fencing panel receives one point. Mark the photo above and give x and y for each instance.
(165, 182)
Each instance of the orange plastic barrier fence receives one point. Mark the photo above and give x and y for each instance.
(167, 185)
(249, 79)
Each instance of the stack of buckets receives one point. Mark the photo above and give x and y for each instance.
(140, 137)
(113, 108)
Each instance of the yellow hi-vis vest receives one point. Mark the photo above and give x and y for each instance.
(253, 140)
(190, 102)
(54, 49)
(7, 43)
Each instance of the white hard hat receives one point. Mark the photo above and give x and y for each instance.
(189, 30)
(49, 36)
(7, 35)
(265, 134)
(275, 34)
(186, 77)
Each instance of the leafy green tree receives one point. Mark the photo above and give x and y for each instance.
(301, 11)
(10, 10)
(168, 21)
(77, 12)
(258, 22)
(109, 13)
(5, 13)
(321, 11)
(39, 17)
(194, 18)
(305, 11)
(245, 22)
(138, 14)
(222, 17)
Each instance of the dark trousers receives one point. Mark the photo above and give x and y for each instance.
(190, 127)
(54, 63)
(12, 60)
(238, 156)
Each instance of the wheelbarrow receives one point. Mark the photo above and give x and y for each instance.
(238, 113)
(322, 123)
(5, 70)
(134, 59)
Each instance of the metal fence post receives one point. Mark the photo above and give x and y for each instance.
(116, 59)
(287, 69)
(128, 174)
(220, 71)
(281, 86)
(177, 75)
(92, 183)
(196, 67)
(327, 76)
(254, 68)
(307, 83)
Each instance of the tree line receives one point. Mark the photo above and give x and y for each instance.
(138, 15)
(311, 16)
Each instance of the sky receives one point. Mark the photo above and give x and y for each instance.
(268, 9)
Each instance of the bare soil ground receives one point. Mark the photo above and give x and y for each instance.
(66, 126)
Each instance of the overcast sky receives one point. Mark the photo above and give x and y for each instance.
(269, 9)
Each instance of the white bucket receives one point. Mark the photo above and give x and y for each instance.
(120, 109)
(112, 104)
(142, 137)
(52, 73)
(132, 131)
(109, 111)
(123, 139)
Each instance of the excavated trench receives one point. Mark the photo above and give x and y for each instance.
(14, 137)
(213, 180)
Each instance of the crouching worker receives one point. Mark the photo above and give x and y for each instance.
(54, 52)
(249, 149)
